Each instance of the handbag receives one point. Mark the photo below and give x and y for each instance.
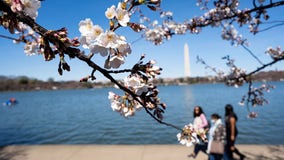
(217, 147)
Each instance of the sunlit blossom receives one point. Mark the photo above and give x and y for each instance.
(132, 81)
(89, 32)
(155, 35)
(122, 17)
(31, 48)
(275, 53)
(86, 27)
(188, 137)
(16, 5)
(129, 112)
(30, 7)
(115, 103)
(110, 12)
(108, 39)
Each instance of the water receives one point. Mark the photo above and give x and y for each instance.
(85, 116)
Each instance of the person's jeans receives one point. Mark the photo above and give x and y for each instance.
(227, 154)
(215, 156)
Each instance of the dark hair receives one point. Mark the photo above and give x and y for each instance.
(199, 113)
(216, 116)
(229, 111)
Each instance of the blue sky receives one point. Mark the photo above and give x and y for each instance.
(55, 14)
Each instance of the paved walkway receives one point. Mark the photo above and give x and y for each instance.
(127, 152)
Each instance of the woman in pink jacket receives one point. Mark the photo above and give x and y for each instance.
(200, 125)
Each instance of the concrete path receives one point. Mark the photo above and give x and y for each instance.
(127, 152)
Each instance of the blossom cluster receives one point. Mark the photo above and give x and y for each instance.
(256, 95)
(24, 32)
(188, 136)
(145, 93)
(236, 76)
(125, 105)
(107, 43)
(275, 53)
(224, 13)
(11, 23)
(119, 14)
(213, 17)
(29, 7)
(229, 33)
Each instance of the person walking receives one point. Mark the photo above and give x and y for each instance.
(231, 133)
(217, 136)
(200, 125)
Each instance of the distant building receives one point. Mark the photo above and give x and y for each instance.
(186, 61)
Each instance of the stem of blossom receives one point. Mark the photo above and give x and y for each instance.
(254, 3)
(92, 74)
(120, 71)
(14, 39)
(251, 53)
(90, 55)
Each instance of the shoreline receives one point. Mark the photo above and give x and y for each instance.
(128, 152)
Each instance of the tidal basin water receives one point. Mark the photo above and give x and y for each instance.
(85, 116)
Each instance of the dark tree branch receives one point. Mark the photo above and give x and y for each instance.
(273, 26)
(120, 71)
(72, 52)
(264, 66)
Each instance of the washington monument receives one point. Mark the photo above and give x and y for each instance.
(186, 61)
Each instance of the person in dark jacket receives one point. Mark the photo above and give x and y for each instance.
(231, 133)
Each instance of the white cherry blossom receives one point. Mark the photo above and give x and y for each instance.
(89, 32)
(110, 12)
(31, 48)
(116, 61)
(129, 112)
(86, 27)
(122, 17)
(99, 49)
(30, 7)
(108, 39)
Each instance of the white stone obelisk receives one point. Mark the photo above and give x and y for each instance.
(186, 61)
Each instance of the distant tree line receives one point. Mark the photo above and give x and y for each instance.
(24, 83)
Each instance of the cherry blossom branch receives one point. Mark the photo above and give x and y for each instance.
(259, 8)
(74, 52)
(108, 76)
